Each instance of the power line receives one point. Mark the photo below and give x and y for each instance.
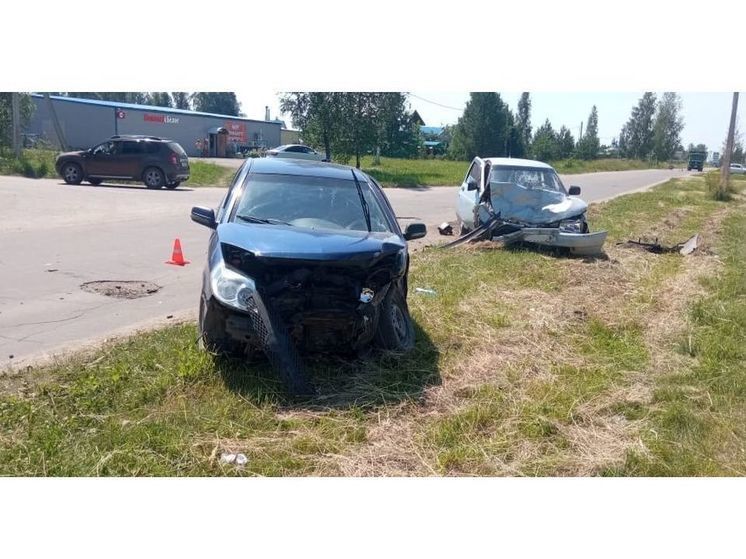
(435, 103)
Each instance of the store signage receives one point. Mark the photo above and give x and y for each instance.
(121, 114)
(236, 131)
(162, 119)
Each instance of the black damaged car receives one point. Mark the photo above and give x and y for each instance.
(304, 256)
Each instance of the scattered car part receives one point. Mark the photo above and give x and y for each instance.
(685, 248)
(445, 228)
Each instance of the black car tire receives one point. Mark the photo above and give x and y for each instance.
(72, 173)
(173, 185)
(395, 327)
(94, 182)
(153, 178)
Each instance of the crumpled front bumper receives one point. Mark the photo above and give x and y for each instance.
(578, 243)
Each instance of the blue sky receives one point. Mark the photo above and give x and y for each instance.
(705, 114)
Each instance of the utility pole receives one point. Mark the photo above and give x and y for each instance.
(725, 160)
(581, 131)
(15, 105)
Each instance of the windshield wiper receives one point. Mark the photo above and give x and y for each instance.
(366, 209)
(264, 220)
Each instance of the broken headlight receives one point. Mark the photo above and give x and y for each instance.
(230, 287)
(575, 225)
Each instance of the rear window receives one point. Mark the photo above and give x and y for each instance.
(152, 147)
(177, 148)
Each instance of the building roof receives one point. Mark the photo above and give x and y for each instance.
(434, 130)
(431, 144)
(149, 108)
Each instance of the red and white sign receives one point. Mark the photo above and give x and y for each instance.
(236, 131)
(161, 119)
(121, 114)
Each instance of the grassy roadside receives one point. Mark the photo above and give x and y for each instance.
(442, 172)
(526, 364)
(202, 173)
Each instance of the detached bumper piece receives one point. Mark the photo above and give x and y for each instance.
(581, 244)
(685, 248)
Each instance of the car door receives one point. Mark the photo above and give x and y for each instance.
(130, 159)
(469, 193)
(98, 160)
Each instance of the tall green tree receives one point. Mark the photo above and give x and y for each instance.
(219, 102)
(565, 143)
(396, 133)
(160, 99)
(637, 137)
(181, 100)
(544, 146)
(317, 114)
(589, 144)
(6, 116)
(523, 120)
(482, 130)
(667, 127)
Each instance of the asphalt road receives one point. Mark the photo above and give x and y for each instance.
(55, 237)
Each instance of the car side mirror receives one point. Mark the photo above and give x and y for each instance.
(204, 216)
(574, 191)
(415, 231)
(471, 184)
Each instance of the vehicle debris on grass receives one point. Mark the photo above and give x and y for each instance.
(685, 248)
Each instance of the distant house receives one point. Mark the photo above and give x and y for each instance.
(434, 139)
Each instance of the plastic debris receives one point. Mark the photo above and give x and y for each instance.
(241, 460)
(227, 458)
(685, 248)
(445, 228)
(424, 291)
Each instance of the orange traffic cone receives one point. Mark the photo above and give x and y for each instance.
(177, 258)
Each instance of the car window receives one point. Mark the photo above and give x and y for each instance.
(294, 149)
(314, 202)
(107, 148)
(132, 148)
(473, 172)
(176, 147)
(152, 147)
(528, 177)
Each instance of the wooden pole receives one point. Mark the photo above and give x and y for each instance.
(15, 104)
(725, 160)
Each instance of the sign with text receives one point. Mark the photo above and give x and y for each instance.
(161, 119)
(236, 131)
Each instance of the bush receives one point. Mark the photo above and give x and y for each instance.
(43, 170)
(27, 169)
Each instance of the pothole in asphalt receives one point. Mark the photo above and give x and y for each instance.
(121, 289)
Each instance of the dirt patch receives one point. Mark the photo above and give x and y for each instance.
(121, 289)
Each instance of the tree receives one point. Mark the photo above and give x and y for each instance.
(737, 155)
(136, 97)
(6, 116)
(160, 99)
(482, 130)
(180, 100)
(222, 102)
(358, 130)
(589, 144)
(565, 143)
(636, 139)
(516, 146)
(545, 146)
(317, 114)
(397, 135)
(668, 126)
(523, 120)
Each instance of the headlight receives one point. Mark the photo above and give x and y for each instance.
(576, 225)
(231, 288)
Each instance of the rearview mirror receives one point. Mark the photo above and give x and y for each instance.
(204, 216)
(415, 231)
(574, 191)
(471, 184)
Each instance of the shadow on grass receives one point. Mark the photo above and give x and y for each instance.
(373, 379)
(557, 252)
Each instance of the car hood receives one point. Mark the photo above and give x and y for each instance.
(287, 241)
(535, 206)
(71, 154)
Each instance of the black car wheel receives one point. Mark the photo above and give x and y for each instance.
(94, 182)
(395, 328)
(72, 173)
(153, 177)
(173, 185)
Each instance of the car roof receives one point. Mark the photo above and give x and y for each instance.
(515, 162)
(301, 167)
(292, 146)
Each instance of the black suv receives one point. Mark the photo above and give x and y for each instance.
(155, 161)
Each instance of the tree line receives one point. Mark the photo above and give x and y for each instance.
(654, 128)
(350, 124)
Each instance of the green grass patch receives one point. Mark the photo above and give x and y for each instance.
(33, 163)
(202, 173)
